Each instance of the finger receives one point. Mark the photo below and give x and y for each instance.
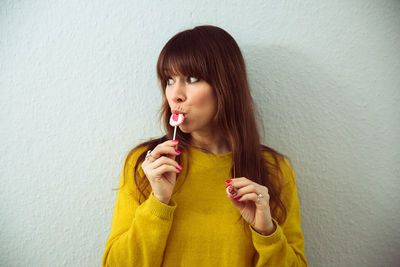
(252, 188)
(247, 197)
(148, 159)
(263, 201)
(163, 151)
(166, 168)
(164, 160)
(241, 182)
(145, 163)
(166, 148)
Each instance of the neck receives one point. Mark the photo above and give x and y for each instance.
(210, 141)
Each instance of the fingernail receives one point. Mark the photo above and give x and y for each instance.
(175, 141)
(180, 166)
(177, 151)
(239, 198)
(228, 181)
(177, 168)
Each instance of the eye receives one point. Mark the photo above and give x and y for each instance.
(192, 79)
(170, 81)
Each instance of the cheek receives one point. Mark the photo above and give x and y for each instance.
(204, 99)
(168, 97)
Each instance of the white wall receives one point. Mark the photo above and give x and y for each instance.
(79, 90)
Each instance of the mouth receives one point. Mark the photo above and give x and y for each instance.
(177, 112)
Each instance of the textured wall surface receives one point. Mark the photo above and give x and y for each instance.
(78, 90)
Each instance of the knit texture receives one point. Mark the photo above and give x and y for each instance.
(200, 226)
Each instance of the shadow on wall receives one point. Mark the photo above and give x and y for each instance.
(290, 94)
(320, 116)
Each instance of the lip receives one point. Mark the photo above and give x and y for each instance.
(177, 112)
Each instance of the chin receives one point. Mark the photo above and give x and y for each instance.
(184, 129)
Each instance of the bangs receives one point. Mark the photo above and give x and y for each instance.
(181, 56)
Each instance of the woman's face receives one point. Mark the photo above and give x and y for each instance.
(194, 98)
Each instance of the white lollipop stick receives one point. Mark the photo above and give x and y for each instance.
(174, 132)
(176, 120)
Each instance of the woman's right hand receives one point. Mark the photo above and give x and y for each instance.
(161, 168)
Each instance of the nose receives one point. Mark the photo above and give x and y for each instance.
(178, 92)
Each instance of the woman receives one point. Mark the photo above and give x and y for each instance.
(172, 208)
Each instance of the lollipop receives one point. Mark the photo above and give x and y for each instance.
(230, 190)
(176, 120)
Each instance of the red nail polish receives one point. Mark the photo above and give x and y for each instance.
(180, 166)
(177, 151)
(228, 181)
(177, 168)
(175, 141)
(239, 198)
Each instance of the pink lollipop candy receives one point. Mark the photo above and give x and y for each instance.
(176, 120)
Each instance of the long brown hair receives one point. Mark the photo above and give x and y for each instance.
(210, 53)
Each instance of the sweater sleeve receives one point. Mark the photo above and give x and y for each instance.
(138, 233)
(285, 246)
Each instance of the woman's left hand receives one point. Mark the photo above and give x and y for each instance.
(253, 207)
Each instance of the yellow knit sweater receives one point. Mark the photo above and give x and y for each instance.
(200, 226)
